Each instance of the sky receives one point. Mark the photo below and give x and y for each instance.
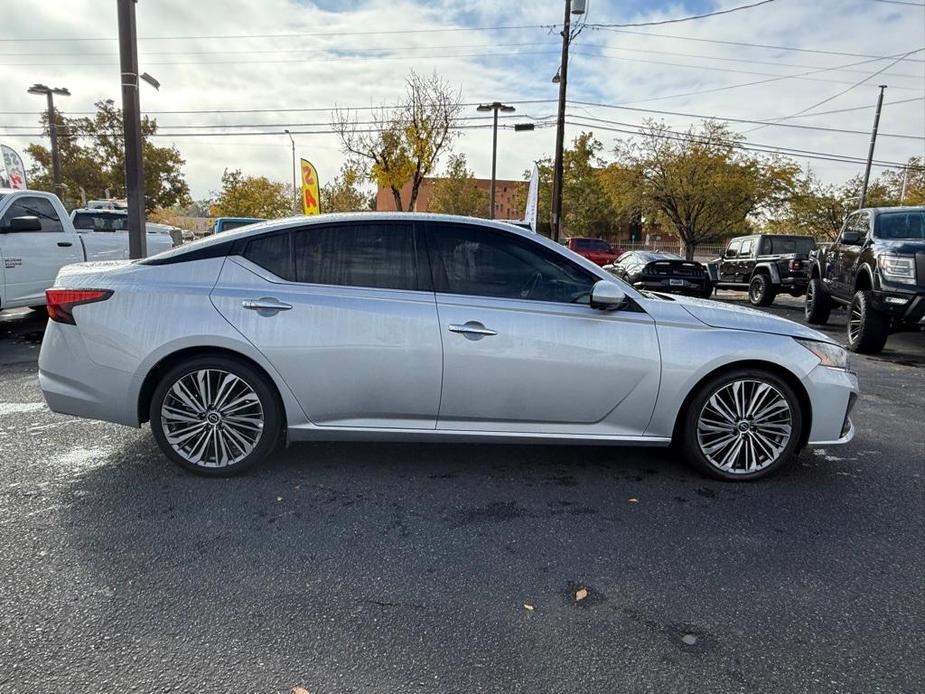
(273, 57)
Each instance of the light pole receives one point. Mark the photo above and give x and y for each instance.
(873, 142)
(131, 128)
(49, 93)
(561, 79)
(295, 190)
(495, 106)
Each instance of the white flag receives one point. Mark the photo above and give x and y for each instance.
(532, 198)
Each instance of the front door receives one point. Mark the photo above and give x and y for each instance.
(31, 259)
(849, 253)
(524, 351)
(345, 315)
(730, 263)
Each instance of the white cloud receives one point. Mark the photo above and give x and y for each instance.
(321, 71)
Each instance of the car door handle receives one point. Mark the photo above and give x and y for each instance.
(65, 244)
(265, 304)
(471, 328)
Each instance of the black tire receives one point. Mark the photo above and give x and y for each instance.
(818, 303)
(689, 436)
(270, 410)
(868, 329)
(39, 309)
(708, 291)
(760, 290)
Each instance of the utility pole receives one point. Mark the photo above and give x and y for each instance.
(131, 127)
(562, 79)
(873, 142)
(495, 106)
(49, 92)
(295, 191)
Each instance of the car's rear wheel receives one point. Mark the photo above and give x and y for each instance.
(216, 416)
(761, 291)
(868, 329)
(742, 425)
(818, 304)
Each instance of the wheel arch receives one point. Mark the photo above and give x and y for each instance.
(781, 372)
(864, 279)
(167, 362)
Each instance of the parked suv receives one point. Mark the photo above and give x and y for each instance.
(876, 268)
(764, 265)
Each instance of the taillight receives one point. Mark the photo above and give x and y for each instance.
(62, 301)
(796, 264)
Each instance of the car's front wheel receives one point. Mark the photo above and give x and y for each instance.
(761, 291)
(216, 416)
(742, 425)
(868, 329)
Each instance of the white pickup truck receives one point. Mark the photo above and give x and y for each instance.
(38, 238)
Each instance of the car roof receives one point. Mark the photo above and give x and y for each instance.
(101, 210)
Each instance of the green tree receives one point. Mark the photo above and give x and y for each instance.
(457, 193)
(403, 144)
(701, 183)
(93, 160)
(251, 196)
(343, 194)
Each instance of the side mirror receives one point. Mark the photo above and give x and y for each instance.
(851, 238)
(607, 296)
(28, 223)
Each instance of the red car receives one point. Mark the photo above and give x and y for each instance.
(598, 251)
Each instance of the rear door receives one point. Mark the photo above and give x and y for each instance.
(523, 350)
(346, 315)
(31, 259)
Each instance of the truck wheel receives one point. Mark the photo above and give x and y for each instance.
(818, 304)
(868, 329)
(761, 291)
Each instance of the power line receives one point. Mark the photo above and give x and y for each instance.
(685, 19)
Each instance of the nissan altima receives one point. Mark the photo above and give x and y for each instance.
(427, 327)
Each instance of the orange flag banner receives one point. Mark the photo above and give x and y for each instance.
(311, 202)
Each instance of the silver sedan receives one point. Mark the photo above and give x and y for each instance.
(412, 327)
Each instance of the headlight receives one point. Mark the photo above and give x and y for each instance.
(897, 268)
(829, 355)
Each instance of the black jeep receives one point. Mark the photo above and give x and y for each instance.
(764, 265)
(876, 268)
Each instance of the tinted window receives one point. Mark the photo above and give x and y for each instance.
(228, 225)
(733, 249)
(485, 262)
(271, 253)
(649, 257)
(359, 254)
(591, 245)
(34, 207)
(777, 245)
(902, 225)
(100, 221)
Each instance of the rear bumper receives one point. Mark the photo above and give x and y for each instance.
(832, 393)
(689, 284)
(73, 384)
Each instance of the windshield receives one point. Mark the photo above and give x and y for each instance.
(592, 245)
(901, 226)
(100, 221)
(780, 245)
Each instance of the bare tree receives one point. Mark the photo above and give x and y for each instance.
(403, 143)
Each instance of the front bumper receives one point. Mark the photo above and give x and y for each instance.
(906, 306)
(832, 393)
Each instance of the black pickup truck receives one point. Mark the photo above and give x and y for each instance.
(763, 265)
(876, 269)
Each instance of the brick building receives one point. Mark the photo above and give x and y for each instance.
(506, 197)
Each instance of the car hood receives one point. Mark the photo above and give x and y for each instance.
(900, 246)
(719, 315)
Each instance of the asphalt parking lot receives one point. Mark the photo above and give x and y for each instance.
(454, 568)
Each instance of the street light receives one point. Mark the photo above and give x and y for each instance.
(295, 191)
(495, 106)
(561, 78)
(49, 93)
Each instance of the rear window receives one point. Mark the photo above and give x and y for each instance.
(237, 224)
(780, 245)
(901, 226)
(272, 254)
(591, 245)
(100, 221)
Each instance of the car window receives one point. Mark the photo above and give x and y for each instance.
(468, 259)
(272, 253)
(746, 249)
(777, 245)
(34, 207)
(861, 224)
(357, 254)
(626, 259)
(100, 221)
(592, 245)
(901, 225)
(733, 250)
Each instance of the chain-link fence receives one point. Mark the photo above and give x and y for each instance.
(705, 251)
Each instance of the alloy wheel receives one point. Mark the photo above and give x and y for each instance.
(855, 322)
(810, 299)
(744, 426)
(212, 418)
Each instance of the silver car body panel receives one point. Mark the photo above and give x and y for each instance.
(357, 363)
